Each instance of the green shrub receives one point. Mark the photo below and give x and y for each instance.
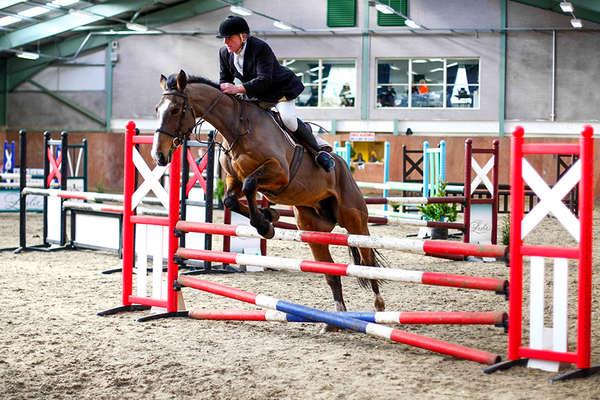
(439, 211)
(505, 230)
(219, 190)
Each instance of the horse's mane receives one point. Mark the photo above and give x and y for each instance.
(172, 81)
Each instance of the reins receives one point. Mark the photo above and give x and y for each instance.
(178, 135)
(242, 105)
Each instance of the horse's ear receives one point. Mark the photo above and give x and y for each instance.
(163, 82)
(181, 80)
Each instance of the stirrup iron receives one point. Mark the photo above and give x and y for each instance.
(325, 160)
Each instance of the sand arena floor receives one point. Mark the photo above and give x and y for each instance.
(53, 346)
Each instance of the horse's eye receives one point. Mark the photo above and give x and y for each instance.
(175, 111)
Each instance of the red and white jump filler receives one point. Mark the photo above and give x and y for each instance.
(547, 351)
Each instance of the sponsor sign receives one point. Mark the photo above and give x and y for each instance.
(362, 136)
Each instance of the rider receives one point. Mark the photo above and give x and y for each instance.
(252, 61)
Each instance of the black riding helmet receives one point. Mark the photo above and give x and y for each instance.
(233, 25)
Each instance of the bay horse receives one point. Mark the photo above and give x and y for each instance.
(257, 157)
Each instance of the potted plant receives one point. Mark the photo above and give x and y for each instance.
(442, 212)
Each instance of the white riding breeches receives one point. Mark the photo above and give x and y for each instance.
(287, 111)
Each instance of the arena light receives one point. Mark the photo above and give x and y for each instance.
(282, 25)
(576, 23)
(8, 3)
(240, 11)
(411, 24)
(136, 27)
(566, 6)
(28, 55)
(384, 8)
(9, 20)
(34, 12)
(62, 3)
(81, 13)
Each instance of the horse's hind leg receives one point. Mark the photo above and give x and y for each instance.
(364, 256)
(356, 222)
(307, 219)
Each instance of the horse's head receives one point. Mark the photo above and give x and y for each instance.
(176, 117)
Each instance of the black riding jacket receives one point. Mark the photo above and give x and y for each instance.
(264, 78)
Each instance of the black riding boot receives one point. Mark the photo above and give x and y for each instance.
(305, 135)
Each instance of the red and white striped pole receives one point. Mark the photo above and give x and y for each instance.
(359, 271)
(402, 244)
(387, 317)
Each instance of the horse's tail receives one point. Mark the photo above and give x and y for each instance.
(379, 261)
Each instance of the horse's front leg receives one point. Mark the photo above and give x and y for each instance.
(257, 218)
(231, 201)
(234, 192)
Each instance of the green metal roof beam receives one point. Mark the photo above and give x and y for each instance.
(179, 12)
(20, 70)
(69, 46)
(67, 22)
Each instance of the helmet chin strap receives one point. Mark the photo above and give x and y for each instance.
(243, 40)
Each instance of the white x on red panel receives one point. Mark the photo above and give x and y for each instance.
(551, 199)
(151, 182)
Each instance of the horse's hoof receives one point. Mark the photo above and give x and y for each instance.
(379, 304)
(270, 214)
(231, 202)
(266, 230)
(270, 233)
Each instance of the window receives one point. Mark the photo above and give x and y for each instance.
(463, 83)
(393, 19)
(428, 83)
(341, 13)
(327, 83)
(427, 86)
(392, 83)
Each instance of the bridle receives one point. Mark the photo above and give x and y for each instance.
(178, 136)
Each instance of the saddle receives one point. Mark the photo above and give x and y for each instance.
(298, 148)
(272, 111)
(323, 145)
